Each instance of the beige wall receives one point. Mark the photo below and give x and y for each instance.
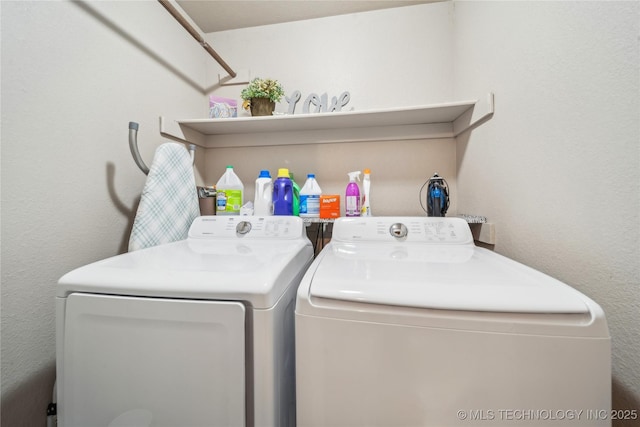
(558, 167)
(73, 76)
(398, 168)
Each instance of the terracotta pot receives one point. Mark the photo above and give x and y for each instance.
(262, 107)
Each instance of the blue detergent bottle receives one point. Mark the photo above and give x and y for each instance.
(283, 193)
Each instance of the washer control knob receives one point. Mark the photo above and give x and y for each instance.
(243, 227)
(398, 230)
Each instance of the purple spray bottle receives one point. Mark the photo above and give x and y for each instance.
(352, 199)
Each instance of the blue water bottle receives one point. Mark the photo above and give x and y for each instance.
(283, 194)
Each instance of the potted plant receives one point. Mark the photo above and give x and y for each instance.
(261, 95)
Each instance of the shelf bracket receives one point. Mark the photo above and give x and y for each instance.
(242, 77)
(474, 117)
(485, 232)
(172, 130)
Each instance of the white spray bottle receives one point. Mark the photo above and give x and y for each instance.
(366, 184)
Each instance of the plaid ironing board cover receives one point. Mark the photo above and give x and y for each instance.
(169, 201)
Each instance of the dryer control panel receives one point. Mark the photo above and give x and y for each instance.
(248, 227)
(429, 230)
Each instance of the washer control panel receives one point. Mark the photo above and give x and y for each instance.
(249, 227)
(428, 230)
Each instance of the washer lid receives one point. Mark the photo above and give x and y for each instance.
(222, 259)
(451, 277)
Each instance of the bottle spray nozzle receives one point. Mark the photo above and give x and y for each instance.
(353, 176)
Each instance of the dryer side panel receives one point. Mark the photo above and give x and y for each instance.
(151, 361)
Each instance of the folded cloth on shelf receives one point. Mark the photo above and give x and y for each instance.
(169, 201)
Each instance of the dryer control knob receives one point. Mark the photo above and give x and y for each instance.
(243, 227)
(398, 230)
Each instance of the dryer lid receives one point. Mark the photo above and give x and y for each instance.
(252, 259)
(449, 277)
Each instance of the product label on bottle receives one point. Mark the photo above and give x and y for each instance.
(234, 200)
(229, 201)
(309, 204)
(221, 201)
(352, 206)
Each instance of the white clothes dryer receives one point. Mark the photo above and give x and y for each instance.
(192, 333)
(405, 322)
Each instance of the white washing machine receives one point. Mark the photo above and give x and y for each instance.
(192, 333)
(405, 322)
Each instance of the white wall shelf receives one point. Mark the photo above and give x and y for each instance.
(438, 121)
(446, 120)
